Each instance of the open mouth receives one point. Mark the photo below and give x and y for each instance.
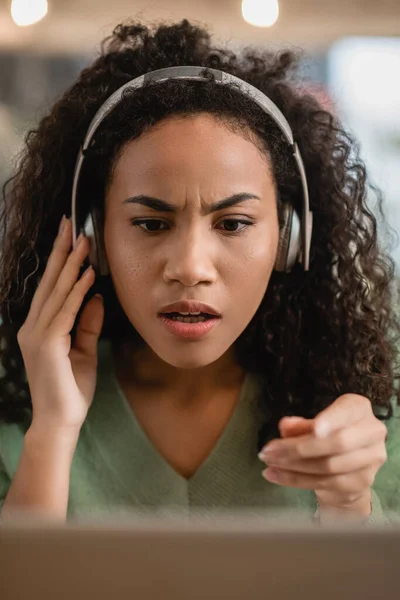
(190, 326)
(189, 318)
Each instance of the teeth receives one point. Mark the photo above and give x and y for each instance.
(189, 319)
(195, 314)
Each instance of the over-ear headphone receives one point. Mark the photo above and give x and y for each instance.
(295, 232)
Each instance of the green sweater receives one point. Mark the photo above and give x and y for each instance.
(116, 468)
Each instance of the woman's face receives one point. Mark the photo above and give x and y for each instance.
(183, 246)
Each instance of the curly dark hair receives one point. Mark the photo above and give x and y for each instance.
(315, 335)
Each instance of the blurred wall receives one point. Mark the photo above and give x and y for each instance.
(38, 63)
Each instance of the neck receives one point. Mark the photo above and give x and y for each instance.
(143, 369)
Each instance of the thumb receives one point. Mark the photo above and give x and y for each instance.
(294, 426)
(89, 326)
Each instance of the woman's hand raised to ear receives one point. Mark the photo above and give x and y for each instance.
(337, 454)
(62, 379)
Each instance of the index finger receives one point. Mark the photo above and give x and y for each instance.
(342, 441)
(345, 410)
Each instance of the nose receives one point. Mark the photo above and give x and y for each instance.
(190, 258)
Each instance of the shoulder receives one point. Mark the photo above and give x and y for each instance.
(387, 482)
(11, 443)
(393, 430)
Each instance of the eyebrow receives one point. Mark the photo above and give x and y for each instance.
(162, 206)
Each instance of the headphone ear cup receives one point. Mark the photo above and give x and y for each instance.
(289, 246)
(93, 231)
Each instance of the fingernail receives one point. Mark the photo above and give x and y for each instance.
(99, 296)
(62, 225)
(270, 448)
(88, 271)
(272, 475)
(263, 454)
(80, 239)
(271, 456)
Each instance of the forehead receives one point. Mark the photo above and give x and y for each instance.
(199, 146)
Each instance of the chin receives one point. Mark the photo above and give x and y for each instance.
(187, 358)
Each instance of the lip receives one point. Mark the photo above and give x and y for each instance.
(189, 331)
(192, 306)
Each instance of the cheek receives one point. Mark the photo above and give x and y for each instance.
(250, 281)
(258, 257)
(127, 264)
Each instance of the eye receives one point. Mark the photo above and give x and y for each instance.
(232, 225)
(156, 225)
(150, 225)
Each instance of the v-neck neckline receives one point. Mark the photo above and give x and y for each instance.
(150, 448)
(129, 452)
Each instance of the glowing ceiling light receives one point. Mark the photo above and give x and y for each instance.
(261, 13)
(28, 12)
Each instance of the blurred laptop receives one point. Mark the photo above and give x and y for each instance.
(234, 557)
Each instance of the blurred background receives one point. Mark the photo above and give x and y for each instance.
(352, 61)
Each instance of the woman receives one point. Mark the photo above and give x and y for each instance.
(198, 351)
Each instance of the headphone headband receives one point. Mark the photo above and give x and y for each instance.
(195, 73)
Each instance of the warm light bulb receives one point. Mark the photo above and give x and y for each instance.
(28, 12)
(261, 13)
